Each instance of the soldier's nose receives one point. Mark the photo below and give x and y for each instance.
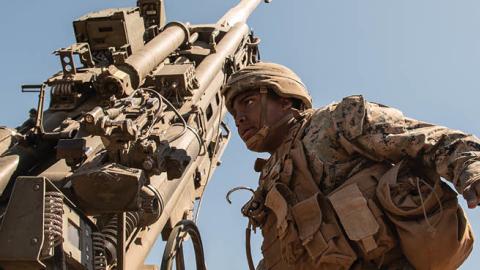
(239, 119)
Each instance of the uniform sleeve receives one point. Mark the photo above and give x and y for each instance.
(384, 134)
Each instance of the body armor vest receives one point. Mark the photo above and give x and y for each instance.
(379, 216)
(301, 226)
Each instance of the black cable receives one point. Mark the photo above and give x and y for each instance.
(174, 244)
(154, 121)
(184, 123)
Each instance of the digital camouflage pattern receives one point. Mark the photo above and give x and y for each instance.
(382, 134)
(317, 200)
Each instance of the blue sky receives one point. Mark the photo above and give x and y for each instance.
(422, 57)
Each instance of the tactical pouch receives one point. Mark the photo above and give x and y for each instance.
(433, 231)
(364, 223)
(321, 235)
(309, 235)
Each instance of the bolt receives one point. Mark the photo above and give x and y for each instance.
(36, 187)
(34, 241)
(148, 164)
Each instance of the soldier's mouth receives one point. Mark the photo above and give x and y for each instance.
(247, 133)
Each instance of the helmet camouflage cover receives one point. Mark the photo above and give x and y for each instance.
(283, 81)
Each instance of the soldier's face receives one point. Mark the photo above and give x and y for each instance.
(247, 112)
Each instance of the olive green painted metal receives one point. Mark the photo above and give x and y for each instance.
(131, 137)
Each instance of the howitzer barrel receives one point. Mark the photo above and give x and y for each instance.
(239, 13)
(210, 66)
(141, 63)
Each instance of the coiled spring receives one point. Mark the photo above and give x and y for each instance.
(110, 232)
(53, 220)
(99, 255)
(64, 89)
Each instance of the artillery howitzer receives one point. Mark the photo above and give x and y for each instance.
(132, 135)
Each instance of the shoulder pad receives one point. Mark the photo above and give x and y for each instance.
(349, 115)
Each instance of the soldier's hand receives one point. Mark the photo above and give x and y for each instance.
(471, 193)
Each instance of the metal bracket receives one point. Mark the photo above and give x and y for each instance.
(67, 59)
(21, 232)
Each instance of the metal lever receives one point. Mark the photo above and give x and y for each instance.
(40, 89)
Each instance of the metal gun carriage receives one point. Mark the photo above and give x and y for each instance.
(131, 137)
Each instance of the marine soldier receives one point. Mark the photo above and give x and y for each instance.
(352, 185)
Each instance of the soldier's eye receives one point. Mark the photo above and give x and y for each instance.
(249, 101)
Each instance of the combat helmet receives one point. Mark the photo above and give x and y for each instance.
(282, 80)
(264, 77)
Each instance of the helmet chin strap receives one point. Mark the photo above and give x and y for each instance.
(257, 141)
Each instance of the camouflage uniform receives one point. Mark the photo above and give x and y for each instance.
(336, 143)
(382, 134)
(355, 185)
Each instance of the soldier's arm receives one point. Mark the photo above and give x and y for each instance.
(385, 133)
